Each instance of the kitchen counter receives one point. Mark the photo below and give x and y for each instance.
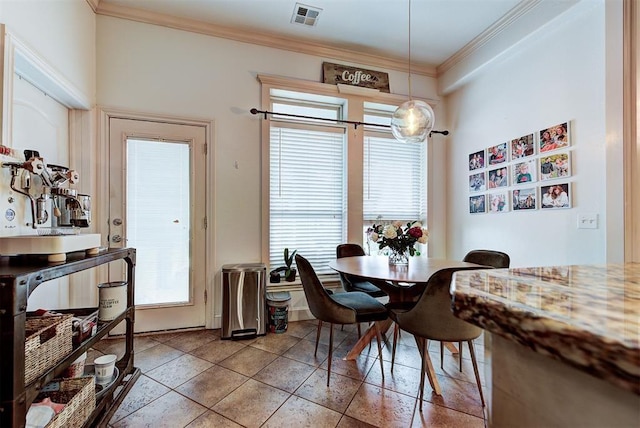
(581, 323)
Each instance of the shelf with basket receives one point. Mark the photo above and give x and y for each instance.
(20, 382)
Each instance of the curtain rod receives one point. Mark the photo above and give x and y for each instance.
(350, 122)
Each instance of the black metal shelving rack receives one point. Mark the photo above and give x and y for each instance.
(19, 276)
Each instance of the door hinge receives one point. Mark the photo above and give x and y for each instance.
(205, 296)
(206, 148)
(205, 222)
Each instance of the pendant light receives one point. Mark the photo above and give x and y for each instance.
(413, 120)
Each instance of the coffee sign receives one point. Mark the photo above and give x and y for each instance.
(354, 76)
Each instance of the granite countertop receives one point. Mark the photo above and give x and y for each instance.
(585, 316)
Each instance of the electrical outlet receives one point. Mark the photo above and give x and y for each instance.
(588, 221)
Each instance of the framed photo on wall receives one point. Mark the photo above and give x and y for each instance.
(524, 199)
(497, 154)
(477, 182)
(476, 160)
(477, 204)
(524, 172)
(522, 147)
(499, 202)
(555, 196)
(555, 166)
(554, 138)
(498, 177)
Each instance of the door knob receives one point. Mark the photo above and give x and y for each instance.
(117, 222)
(116, 238)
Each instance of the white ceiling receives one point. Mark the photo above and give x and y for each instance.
(439, 28)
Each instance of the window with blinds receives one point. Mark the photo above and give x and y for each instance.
(306, 190)
(394, 182)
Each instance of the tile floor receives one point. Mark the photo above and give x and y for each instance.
(195, 379)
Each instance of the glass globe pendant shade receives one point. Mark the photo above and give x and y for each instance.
(412, 121)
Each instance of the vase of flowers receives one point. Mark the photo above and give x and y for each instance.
(399, 238)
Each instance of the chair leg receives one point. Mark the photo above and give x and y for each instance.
(442, 355)
(422, 343)
(318, 337)
(379, 340)
(330, 352)
(396, 331)
(475, 369)
(460, 354)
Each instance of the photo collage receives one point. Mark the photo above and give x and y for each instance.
(527, 173)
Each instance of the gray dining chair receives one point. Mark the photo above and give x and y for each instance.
(491, 258)
(431, 318)
(339, 308)
(495, 259)
(352, 282)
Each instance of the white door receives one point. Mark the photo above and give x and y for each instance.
(158, 206)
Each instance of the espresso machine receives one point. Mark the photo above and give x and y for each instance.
(43, 213)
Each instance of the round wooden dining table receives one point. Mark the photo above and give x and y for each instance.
(401, 283)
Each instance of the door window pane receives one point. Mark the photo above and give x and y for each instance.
(158, 219)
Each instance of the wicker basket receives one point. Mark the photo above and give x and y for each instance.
(79, 395)
(48, 340)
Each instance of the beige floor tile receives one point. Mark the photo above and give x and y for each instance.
(405, 356)
(248, 361)
(178, 371)
(452, 367)
(171, 410)
(212, 385)
(217, 350)
(193, 339)
(276, 343)
(304, 350)
(251, 404)
(338, 334)
(356, 369)
(349, 422)
(381, 407)
(155, 356)
(143, 392)
(403, 379)
(300, 413)
(336, 396)
(284, 373)
(164, 336)
(435, 416)
(301, 328)
(457, 395)
(212, 420)
(117, 345)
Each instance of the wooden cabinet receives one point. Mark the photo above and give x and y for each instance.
(19, 276)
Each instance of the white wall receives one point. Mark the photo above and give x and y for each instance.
(556, 75)
(61, 32)
(151, 69)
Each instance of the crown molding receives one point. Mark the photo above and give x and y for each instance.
(271, 40)
(93, 4)
(487, 35)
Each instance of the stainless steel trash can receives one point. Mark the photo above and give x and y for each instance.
(243, 300)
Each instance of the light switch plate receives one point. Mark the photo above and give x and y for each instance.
(588, 221)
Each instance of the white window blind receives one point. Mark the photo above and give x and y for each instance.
(307, 195)
(394, 179)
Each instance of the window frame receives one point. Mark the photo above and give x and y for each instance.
(354, 109)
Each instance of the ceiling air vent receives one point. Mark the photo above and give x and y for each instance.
(305, 15)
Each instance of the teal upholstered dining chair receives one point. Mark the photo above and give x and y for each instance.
(338, 308)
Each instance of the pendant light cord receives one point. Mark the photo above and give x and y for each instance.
(410, 50)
